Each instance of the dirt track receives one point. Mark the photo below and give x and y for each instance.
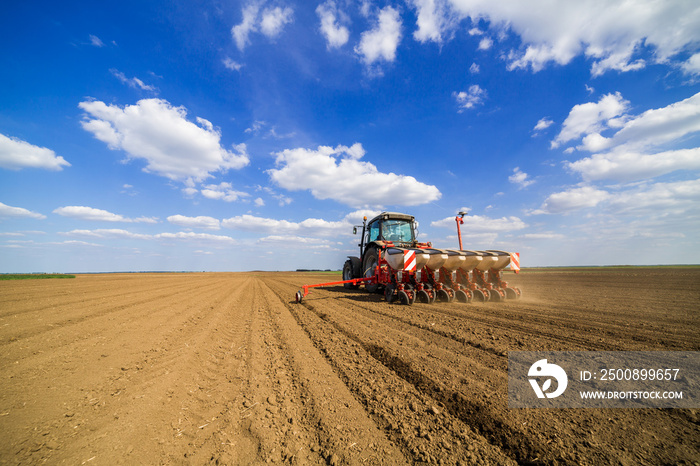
(199, 368)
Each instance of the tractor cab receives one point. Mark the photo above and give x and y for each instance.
(386, 229)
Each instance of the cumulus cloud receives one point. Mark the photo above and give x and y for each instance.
(662, 198)
(478, 224)
(435, 20)
(99, 215)
(592, 117)
(520, 178)
(634, 151)
(340, 174)
(206, 223)
(333, 24)
(609, 33)
(16, 154)
(223, 192)
(381, 42)
(161, 134)
(309, 226)
(474, 96)
(18, 212)
(270, 23)
(630, 166)
(572, 200)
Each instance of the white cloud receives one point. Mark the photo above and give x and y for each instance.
(340, 174)
(477, 224)
(241, 31)
(434, 20)
(592, 117)
(231, 65)
(16, 154)
(18, 212)
(222, 191)
(332, 24)
(113, 233)
(159, 133)
(134, 83)
(543, 124)
(609, 33)
(474, 96)
(485, 43)
(692, 65)
(96, 41)
(634, 150)
(520, 178)
(274, 19)
(474, 68)
(380, 43)
(660, 198)
(259, 202)
(572, 200)
(270, 23)
(310, 226)
(92, 214)
(296, 241)
(629, 166)
(207, 223)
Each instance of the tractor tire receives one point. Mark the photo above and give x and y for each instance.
(347, 275)
(369, 266)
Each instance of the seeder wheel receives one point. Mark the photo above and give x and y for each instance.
(389, 293)
(511, 293)
(495, 296)
(298, 296)
(479, 296)
(462, 296)
(422, 296)
(404, 299)
(442, 296)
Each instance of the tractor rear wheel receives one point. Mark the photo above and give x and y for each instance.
(369, 267)
(348, 275)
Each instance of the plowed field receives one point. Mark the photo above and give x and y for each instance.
(227, 368)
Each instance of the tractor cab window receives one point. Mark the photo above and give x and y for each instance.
(398, 231)
(373, 232)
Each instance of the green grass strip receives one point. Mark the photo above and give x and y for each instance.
(32, 276)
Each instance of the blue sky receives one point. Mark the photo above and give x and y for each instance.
(253, 135)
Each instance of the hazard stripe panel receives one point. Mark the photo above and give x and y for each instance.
(409, 261)
(515, 261)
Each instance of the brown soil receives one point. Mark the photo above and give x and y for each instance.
(227, 368)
